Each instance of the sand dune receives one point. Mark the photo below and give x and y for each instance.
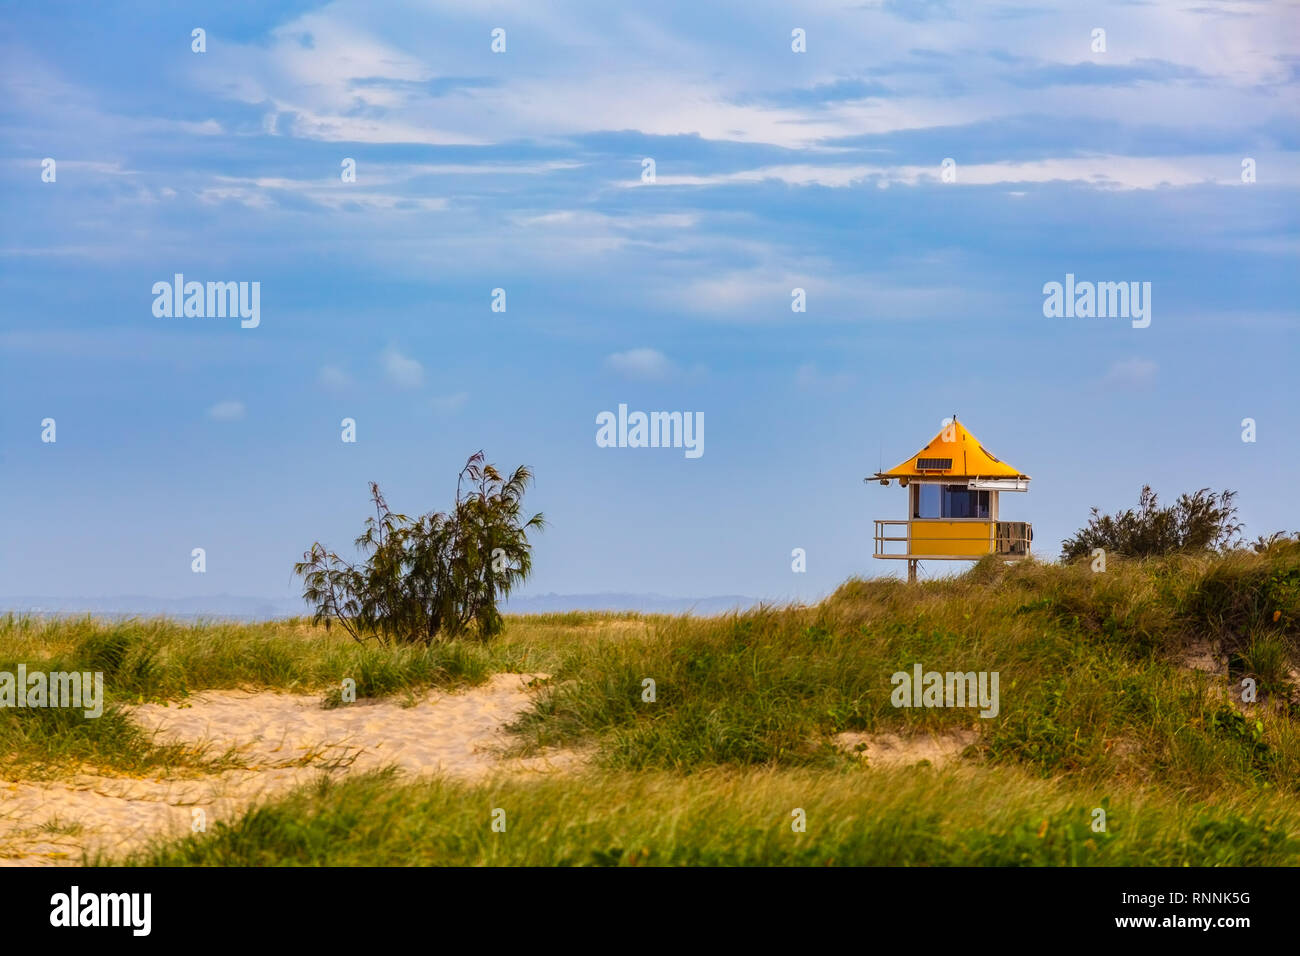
(282, 740)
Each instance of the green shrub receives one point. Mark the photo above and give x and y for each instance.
(436, 577)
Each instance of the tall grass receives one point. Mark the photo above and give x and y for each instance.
(158, 658)
(1089, 664)
(901, 818)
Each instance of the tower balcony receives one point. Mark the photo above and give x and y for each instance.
(957, 539)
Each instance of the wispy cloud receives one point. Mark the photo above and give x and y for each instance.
(1103, 172)
(1131, 373)
(333, 378)
(401, 370)
(645, 364)
(228, 411)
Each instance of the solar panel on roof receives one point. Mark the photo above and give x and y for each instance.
(933, 464)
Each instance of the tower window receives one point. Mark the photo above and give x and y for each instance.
(950, 501)
(962, 502)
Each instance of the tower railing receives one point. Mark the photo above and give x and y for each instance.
(882, 539)
(1014, 538)
(894, 538)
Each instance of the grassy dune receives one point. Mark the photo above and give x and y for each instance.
(1092, 680)
(1098, 709)
(159, 659)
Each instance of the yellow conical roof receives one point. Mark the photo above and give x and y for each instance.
(953, 453)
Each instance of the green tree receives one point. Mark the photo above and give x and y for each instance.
(437, 576)
(1201, 521)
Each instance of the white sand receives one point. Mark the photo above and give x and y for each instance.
(282, 740)
(891, 750)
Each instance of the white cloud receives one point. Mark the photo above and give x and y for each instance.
(402, 371)
(1104, 172)
(333, 377)
(350, 72)
(763, 295)
(266, 192)
(743, 291)
(226, 411)
(1133, 372)
(646, 364)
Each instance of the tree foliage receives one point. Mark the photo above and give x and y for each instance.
(1201, 521)
(434, 577)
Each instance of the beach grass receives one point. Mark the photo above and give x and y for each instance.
(731, 722)
(914, 817)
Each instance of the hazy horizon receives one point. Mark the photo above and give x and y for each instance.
(263, 608)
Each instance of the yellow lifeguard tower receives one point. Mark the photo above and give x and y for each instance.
(952, 503)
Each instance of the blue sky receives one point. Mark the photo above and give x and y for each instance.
(522, 170)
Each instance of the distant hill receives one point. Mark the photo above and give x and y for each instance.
(645, 603)
(137, 605)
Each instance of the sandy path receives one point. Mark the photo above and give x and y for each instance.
(284, 740)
